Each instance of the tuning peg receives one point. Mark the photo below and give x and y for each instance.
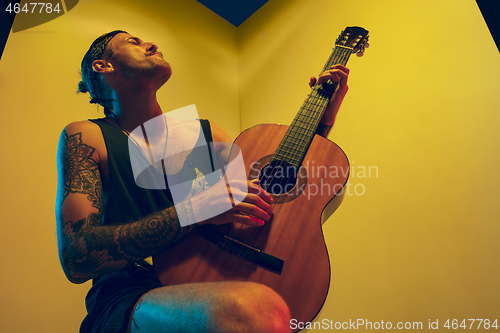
(367, 45)
(360, 54)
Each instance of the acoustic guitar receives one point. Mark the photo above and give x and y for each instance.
(306, 175)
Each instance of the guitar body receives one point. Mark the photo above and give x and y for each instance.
(293, 235)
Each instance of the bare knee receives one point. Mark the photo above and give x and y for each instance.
(232, 307)
(251, 307)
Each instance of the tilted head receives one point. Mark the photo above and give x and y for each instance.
(132, 61)
(91, 81)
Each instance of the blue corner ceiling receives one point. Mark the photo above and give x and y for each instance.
(233, 11)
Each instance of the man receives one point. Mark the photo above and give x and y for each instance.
(107, 225)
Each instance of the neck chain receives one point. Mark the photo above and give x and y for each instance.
(151, 158)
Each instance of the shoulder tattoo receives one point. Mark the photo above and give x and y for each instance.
(81, 171)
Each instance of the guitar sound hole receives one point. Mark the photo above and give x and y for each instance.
(278, 177)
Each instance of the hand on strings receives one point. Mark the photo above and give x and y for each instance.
(253, 204)
(337, 74)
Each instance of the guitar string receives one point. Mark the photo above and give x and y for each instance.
(318, 104)
(303, 118)
(343, 56)
(308, 120)
(289, 141)
(251, 236)
(310, 115)
(334, 55)
(317, 110)
(313, 109)
(310, 124)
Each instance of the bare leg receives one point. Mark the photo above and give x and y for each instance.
(235, 307)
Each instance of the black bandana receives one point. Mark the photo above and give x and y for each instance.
(95, 52)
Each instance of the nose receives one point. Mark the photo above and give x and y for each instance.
(152, 47)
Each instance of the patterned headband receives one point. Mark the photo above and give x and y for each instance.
(95, 52)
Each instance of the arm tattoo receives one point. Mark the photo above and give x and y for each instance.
(87, 248)
(140, 239)
(81, 171)
(323, 130)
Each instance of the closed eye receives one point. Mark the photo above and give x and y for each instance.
(134, 40)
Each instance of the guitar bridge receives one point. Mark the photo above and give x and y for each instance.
(241, 249)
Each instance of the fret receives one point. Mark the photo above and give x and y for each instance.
(305, 121)
(295, 147)
(289, 157)
(308, 118)
(294, 144)
(310, 106)
(295, 139)
(299, 135)
(312, 109)
(291, 154)
(300, 131)
(293, 161)
(291, 149)
(291, 145)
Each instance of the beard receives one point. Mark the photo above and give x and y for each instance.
(152, 71)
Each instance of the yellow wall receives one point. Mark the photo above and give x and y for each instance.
(38, 81)
(422, 241)
(419, 244)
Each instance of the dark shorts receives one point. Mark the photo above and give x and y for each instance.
(112, 297)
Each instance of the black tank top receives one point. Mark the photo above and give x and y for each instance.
(126, 201)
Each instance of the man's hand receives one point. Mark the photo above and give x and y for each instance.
(253, 203)
(338, 74)
(240, 201)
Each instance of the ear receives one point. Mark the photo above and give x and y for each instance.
(102, 66)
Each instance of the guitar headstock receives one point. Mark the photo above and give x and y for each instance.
(355, 38)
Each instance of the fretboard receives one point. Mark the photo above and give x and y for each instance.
(297, 139)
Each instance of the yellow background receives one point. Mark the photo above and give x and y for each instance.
(420, 243)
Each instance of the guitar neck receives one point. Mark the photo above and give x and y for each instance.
(297, 139)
